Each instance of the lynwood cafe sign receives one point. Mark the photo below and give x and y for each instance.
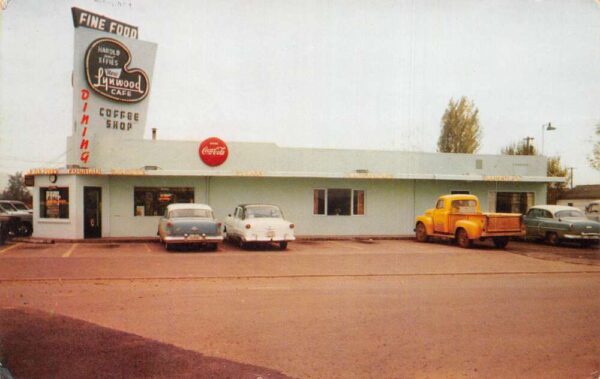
(108, 74)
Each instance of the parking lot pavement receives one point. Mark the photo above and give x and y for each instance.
(330, 309)
(76, 261)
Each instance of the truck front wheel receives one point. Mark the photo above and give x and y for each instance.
(421, 232)
(462, 239)
(500, 242)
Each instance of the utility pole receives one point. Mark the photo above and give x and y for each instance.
(571, 168)
(527, 139)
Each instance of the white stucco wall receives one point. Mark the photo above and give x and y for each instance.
(390, 205)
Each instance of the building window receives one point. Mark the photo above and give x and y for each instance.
(460, 192)
(319, 202)
(338, 202)
(514, 202)
(153, 201)
(54, 202)
(358, 204)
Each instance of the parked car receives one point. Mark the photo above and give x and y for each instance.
(189, 224)
(459, 217)
(592, 210)
(21, 206)
(558, 223)
(21, 221)
(258, 223)
(5, 221)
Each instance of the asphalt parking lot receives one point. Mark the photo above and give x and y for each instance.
(321, 309)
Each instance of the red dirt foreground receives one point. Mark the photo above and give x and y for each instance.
(34, 344)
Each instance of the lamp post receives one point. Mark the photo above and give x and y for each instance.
(549, 128)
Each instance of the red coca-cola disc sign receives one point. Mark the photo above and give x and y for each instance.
(213, 151)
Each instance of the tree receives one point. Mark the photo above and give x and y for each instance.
(595, 157)
(460, 128)
(519, 148)
(16, 189)
(553, 169)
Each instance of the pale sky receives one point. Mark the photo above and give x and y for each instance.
(334, 74)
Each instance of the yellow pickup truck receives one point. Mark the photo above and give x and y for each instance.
(459, 217)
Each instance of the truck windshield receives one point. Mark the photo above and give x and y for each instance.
(464, 206)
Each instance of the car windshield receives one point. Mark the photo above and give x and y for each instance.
(263, 212)
(20, 206)
(202, 213)
(569, 213)
(8, 207)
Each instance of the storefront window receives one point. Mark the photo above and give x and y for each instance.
(319, 202)
(153, 201)
(54, 202)
(338, 202)
(514, 202)
(358, 207)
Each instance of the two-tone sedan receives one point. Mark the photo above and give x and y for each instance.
(557, 223)
(189, 224)
(258, 223)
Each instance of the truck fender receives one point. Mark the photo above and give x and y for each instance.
(473, 229)
(427, 221)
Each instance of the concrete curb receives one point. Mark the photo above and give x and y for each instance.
(156, 239)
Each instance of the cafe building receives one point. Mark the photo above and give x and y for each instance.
(118, 184)
(325, 192)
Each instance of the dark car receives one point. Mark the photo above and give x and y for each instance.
(557, 223)
(189, 224)
(20, 222)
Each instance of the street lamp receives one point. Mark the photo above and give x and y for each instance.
(549, 128)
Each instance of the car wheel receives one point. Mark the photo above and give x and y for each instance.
(585, 243)
(241, 243)
(421, 233)
(283, 245)
(552, 239)
(462, 239)
(25, 229)
(213, 247)
(500, 242)
(168, 247)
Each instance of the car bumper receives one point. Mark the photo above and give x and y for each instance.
(503, 234)
(190, 240)
(257, 238)
(583, 236)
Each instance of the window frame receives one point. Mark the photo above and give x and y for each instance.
(156, 204)
(353, 191)
(43, 217)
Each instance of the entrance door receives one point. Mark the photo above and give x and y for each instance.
(92, 216)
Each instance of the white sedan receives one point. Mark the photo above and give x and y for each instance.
(258, 223)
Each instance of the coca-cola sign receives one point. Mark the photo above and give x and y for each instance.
(213, 151)
(108, 73)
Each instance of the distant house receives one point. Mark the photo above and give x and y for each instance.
(580, 196)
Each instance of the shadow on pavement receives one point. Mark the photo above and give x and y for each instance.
(35, 344)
